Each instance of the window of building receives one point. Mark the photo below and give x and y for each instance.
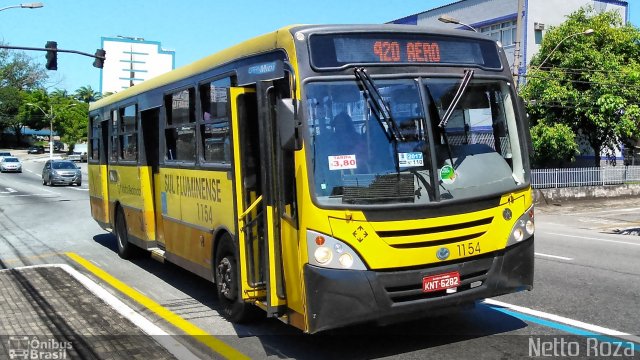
(215, 123)
(180, 130)
(504, 32)
(128, 133)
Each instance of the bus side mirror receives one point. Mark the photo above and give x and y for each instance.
(287, 125)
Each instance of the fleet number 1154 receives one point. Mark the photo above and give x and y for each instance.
(470, 248)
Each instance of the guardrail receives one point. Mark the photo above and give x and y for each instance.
(595, 176)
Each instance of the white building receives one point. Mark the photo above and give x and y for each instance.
(130, 61)
(498, 18)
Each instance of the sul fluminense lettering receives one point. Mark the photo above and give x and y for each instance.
(194, 187)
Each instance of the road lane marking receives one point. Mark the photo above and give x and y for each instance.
(595, 239)
(187, 327)
(149, 328)
(562, 323)
(9, 191)
(596, 212)
(26, 195)
(553, 256)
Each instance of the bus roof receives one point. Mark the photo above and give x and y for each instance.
(260, 44)
(255, 45)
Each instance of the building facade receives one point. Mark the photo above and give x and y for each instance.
(498, 19)
(130, 61)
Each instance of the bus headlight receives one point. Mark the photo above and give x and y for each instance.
(523, 228)
(323, 255)
(328, 252)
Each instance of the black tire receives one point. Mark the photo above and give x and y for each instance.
(79, 183)
(228, 284)
(43, 182)
(125, 249)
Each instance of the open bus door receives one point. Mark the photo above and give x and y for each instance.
(259, 240)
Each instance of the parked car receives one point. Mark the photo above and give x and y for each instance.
(36, 149)
(3, 154)
(79, 153)
(10, 163)
(61, 172)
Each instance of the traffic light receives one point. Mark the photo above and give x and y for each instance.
(52, 55)
(100, 57)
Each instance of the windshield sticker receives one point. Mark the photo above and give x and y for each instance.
(411, 159)
(342, 162)
(448, 174)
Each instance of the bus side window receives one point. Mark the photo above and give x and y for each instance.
(215, 131)
(180, 128)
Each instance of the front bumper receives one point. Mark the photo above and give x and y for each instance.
(338, 298)
(66, 180)
(15, 169)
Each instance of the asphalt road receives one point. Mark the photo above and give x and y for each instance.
(587, 283)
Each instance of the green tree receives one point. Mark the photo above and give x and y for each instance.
(554, 145)
(87, 94)
(18, 73)
(10, 103)
(589, 83)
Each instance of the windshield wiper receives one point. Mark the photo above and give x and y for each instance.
(379, 107)
(468, 74)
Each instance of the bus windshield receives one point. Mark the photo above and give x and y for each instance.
(355, 160)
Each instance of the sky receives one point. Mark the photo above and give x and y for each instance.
(192, 28)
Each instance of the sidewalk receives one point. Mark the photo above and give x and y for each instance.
(48, 312)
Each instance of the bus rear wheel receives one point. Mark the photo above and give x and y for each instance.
(125, 249)
(228, 284)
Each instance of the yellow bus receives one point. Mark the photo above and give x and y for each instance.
(328, 175)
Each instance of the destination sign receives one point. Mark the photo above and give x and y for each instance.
(337, 50)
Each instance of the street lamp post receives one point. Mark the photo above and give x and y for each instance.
(586, 32)
(34, 5)
(51, 115)
(450, 20)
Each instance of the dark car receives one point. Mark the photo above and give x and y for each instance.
(36, 149)
(61, 172)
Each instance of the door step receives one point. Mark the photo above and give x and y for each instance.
(157, 254)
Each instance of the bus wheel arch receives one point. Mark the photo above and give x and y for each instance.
(226, 276)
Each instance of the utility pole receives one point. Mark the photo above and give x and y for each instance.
(519, 35)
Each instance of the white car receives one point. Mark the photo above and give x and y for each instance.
(10, 163)
(79, 153)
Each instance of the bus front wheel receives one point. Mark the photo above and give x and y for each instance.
(122, 238)
(228, 284)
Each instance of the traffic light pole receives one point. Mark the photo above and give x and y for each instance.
(100, 55)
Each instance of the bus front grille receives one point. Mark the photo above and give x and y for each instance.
(436, 235)
(406, 286)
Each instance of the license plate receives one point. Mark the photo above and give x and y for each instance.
(440, 281)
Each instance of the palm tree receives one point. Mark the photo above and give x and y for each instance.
(87, 94)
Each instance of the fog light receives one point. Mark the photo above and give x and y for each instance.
(323, 255)
(530, 227)
(346, 260)
(518, 234)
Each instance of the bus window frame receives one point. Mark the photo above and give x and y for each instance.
(114, 143)
(120, 110)
(200, 121)
(92, 138)
(165, 116)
